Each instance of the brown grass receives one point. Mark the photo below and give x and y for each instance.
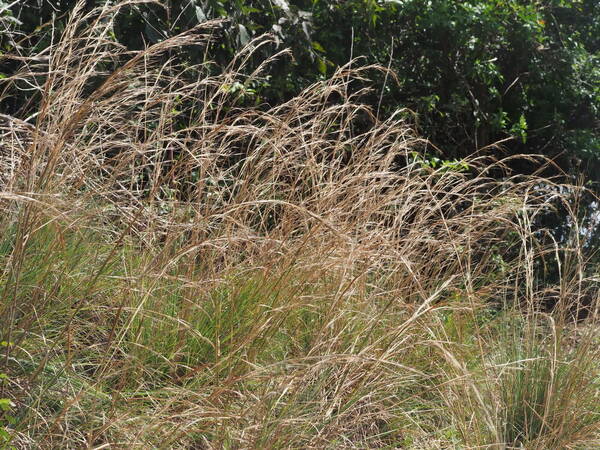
(183, 271)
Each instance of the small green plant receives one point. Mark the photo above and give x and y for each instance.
(6, 420)
(428, 161)
(6, 409)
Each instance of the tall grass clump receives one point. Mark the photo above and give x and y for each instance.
(180, 270)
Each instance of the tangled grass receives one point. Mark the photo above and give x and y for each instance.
(179, 270)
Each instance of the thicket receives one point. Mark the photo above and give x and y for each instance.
(476, 71)
(184, 266)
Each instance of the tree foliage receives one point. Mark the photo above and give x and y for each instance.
(476, 72)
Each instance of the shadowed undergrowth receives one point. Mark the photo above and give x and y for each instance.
(183, 271)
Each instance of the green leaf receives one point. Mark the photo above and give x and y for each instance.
(520, 128)
(321, 66)
(4, 435)
(318, 47)
(6, 404)
(200, 15)
(244, 36)
(522, 122)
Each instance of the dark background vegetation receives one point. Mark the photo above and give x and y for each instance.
(524, 74)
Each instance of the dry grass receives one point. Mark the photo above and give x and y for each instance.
(180, 271)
